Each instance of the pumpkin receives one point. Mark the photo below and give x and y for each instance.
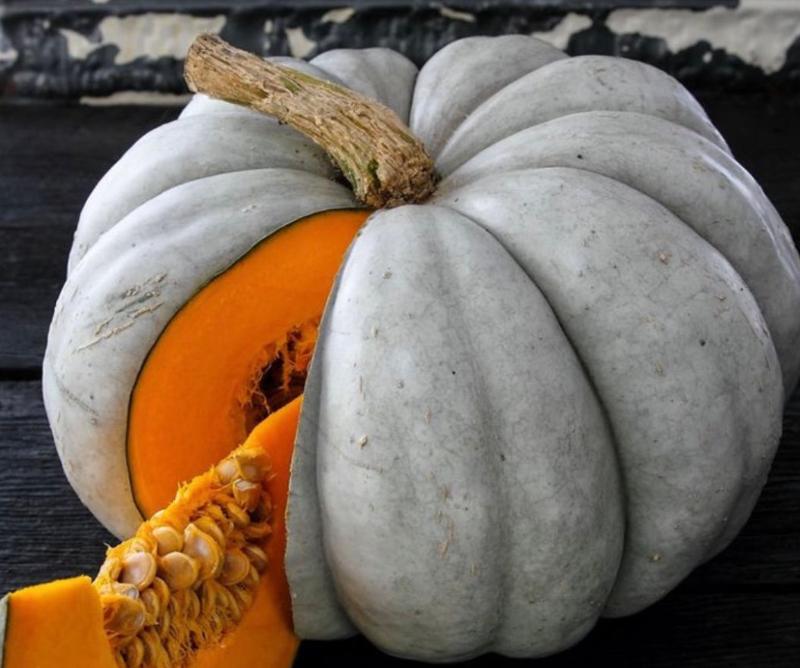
(544, 388)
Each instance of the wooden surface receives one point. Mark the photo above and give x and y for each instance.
(741, 609)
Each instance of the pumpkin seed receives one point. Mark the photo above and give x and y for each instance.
(162, 591)
(178, 570)
(134, 653)
(227, 470)
(210, 527)
(111, 568)
(152, 605)
(257, 557)
(123, 615)
(253, 464)
(168, 539)
(257, 530)
(247, 494)
(238, 516)
(204, 549)
(235, 568)
(138, 569)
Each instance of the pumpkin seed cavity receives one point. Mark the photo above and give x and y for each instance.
(283, 377)
(190, 572)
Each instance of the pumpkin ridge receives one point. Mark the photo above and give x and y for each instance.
(250, 142)
(629, 74)
(638, 150)
(590, 380)
(675, 530)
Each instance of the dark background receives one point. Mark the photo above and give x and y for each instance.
(740, 609)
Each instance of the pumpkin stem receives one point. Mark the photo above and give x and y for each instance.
(384, 163)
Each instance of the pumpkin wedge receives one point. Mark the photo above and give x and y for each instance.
(200, 584)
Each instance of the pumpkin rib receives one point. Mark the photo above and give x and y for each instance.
(660, 552)
(699, 183)
(472, 69)
(427, 473)
(186, 150)
(564, 87)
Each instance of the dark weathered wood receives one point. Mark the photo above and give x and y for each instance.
(45, 531)
(41, 64)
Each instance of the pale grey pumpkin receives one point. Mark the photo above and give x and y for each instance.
(543, 396)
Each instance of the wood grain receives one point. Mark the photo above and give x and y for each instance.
(740, 609)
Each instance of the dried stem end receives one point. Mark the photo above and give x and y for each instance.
(190, 572)
(384, 163)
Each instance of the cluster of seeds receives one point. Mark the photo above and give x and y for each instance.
(191, 571)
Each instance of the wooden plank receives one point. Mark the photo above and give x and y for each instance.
(46, 532)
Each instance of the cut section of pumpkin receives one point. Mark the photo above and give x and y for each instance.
(55, 624)
(234, 353)
(201, 584)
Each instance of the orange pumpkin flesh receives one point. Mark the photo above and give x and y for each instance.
(191, 405)
(56, 624)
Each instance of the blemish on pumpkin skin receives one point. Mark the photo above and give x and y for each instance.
(70, 396)
(132, 317)
(444, 546)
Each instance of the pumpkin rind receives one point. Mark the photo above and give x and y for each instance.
(563, 87)
(457, 438)
(692, 177)
(186, 150)
(470, 70)
(674, 344)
